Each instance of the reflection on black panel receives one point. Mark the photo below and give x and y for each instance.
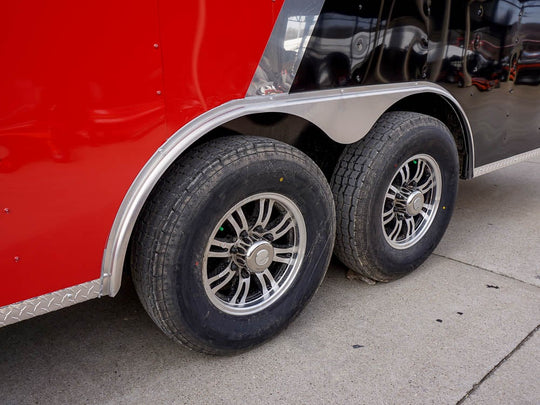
(528, 63)
(371, 42)
(467, 43)
(480, 47)
(486, 53)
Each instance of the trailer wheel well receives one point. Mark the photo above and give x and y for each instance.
(287, 128)
(442, 109)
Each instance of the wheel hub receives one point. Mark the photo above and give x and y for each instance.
(415, 202)
(409, 201)
(259, 256)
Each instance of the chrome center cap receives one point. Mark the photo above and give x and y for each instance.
(259, 256)
(415, 202)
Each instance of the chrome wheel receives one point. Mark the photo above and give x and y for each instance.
(411, 201)
(254, 254)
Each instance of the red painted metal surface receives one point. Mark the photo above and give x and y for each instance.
(89, 92)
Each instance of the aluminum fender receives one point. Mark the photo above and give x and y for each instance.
(345, 115)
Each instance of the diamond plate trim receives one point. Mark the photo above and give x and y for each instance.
(479, 171)
(49, 302)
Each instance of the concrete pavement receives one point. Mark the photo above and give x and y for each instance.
(462, 328)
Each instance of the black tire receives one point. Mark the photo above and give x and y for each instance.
(175, 257)
(418, 145)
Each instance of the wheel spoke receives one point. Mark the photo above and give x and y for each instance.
(263, 277)
(221, 244)
(243, 220)
(392, 192)
(388, 216)
(419, 171)
(243, 285)
(282, 228)
(218, 254)
(410, 226)
(285, 260)
(283, 251)
(405, 173)
(262, 282)
(428, 185)
(237, 228)
(397, 229)
(285, 230)
(264, 212)
(226, 275)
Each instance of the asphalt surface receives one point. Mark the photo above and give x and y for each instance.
(463, 328)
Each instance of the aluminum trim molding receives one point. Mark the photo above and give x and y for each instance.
(345, 115)
(490, 167)
(49, 302)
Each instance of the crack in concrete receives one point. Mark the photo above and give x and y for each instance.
(484, 269)
(520, 344)
(499, 364)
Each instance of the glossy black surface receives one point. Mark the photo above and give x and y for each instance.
(486, 53)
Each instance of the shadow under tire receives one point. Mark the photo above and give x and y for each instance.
(394, 192)
(233, 242)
